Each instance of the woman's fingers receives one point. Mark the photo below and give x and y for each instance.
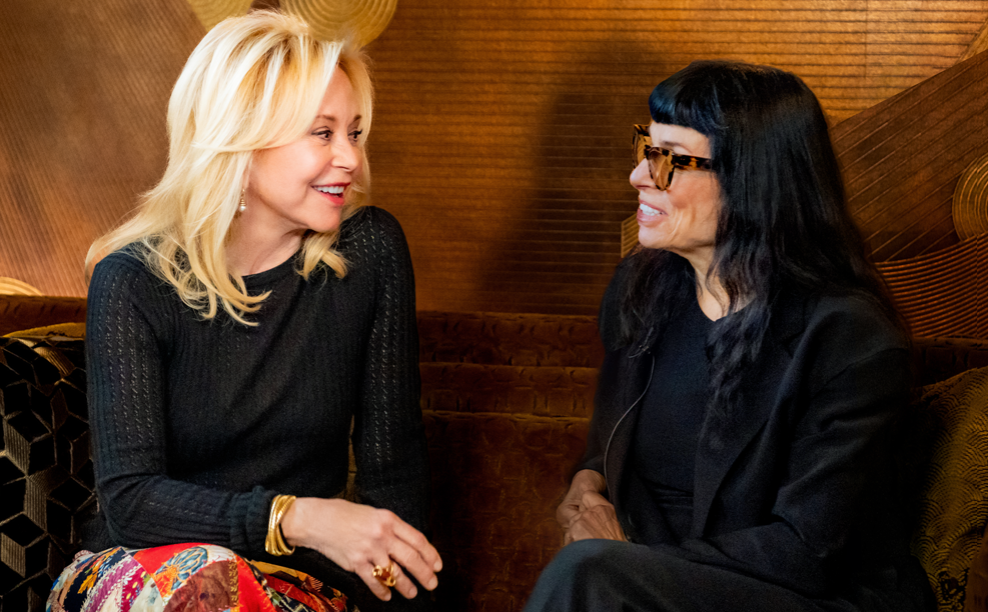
(393, 573)
(366, 573)
(362, 538)
(408, 550)
(417, 541)
(414, 563)
(598, 522)
(592, 499)
(584, 482)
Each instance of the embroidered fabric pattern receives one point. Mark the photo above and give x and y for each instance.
(186, 577)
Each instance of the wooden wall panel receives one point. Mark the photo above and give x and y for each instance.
(83, 92)
(502, 130)
(903, 157)
(502, 127)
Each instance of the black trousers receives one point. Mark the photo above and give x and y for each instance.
(604, 575)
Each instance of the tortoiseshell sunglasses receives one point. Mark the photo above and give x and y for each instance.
(662, 163)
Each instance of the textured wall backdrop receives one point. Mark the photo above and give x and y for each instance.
(502, 129)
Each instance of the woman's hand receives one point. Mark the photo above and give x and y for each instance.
(598, 520)
(358, 537)
(585, 481)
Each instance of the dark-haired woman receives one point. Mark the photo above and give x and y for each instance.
(739, 454)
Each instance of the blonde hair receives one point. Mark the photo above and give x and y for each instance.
(253, 82)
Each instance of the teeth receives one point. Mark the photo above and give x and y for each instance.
(651, 212)
(337, 190)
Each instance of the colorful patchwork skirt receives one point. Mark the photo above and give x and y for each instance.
(186, 578)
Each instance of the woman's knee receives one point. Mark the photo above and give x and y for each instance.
(592, 556)
(583, 574)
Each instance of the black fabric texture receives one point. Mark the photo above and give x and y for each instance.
(660, 487)
(797, 488)
(197, 424)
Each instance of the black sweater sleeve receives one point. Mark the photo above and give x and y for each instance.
(127, 331)
(388, 437)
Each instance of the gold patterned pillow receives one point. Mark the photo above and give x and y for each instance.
(952, 417)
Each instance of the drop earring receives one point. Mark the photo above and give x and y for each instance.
(243, 204)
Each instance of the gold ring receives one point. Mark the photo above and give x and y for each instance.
(385, 575)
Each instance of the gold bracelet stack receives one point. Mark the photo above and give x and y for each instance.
(275, 542)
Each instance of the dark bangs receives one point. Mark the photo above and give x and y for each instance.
(689, 99)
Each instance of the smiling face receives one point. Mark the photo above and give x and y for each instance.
(683, 218)
(302, 186)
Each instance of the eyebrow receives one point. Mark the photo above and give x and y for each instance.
(334, 119)
(672, 144)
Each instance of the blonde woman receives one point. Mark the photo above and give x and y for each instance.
(248, 313)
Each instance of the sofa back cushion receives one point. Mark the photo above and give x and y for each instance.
(949, 435)
(46, 476)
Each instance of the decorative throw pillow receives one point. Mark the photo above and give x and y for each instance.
(977, 581)
(951, 428)
(46, 476)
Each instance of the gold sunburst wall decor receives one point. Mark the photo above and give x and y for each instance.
(329, 19)
(365, 19)
(211, 12)
(970, 205)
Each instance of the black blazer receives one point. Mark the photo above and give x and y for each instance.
(796, 488)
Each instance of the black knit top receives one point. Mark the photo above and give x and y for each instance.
(198, 424)
(659, 492)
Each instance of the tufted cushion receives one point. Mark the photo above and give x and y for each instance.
(24, 311)
(509, 339)
(543, 391)
(496, 481)
(953, 503)
(46, 476)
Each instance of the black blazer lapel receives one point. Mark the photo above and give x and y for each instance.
(724, 437)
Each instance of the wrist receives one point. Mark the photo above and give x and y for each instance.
(275, 542)
(293, 522)
(590, 480)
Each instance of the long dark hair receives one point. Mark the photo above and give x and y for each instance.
(784, 221)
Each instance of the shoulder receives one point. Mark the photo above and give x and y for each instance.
(370, 224)
(853, 317)
(125, 267)
(374, 246)
(370, 234)
(842, 331)
(124, 289)
(125, 276)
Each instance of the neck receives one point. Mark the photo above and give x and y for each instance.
(711, 295)
(249, 251)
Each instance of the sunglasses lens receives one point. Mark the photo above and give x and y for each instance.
(661, 168)
(639, 148)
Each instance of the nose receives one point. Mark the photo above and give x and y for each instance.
(347, 155)
(640, 176)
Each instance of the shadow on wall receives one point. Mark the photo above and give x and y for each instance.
(560, 254)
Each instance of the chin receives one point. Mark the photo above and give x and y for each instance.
(325, 225)
(650, 242)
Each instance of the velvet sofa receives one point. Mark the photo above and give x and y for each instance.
(506, 401)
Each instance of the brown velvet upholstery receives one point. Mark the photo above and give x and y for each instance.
(510, 339)
(496, 480)
(26, 311)
(936, 359)
(506, 401)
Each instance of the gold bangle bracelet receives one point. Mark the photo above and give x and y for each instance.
(275, 543)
